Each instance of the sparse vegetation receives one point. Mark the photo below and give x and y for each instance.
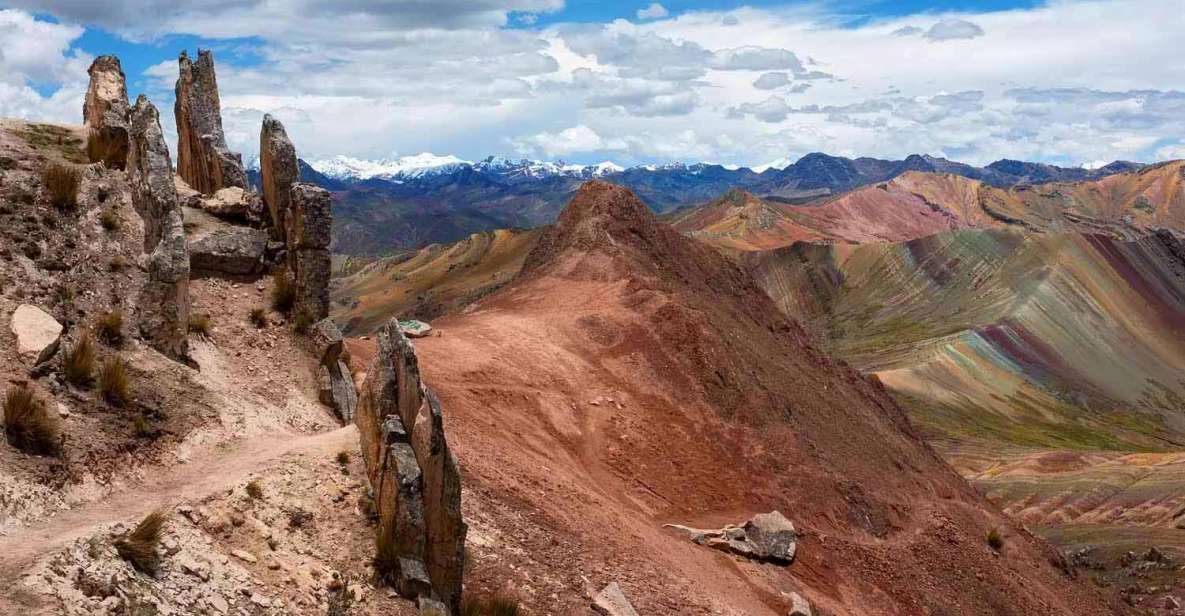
(258, 318)
(62, 182)
(995, 539)
(114, 383)
(302, 322)
(341, 598)
(50, 137)
(343, 457)
(496, 604)
(117, 263)
(109, 327)
(27, 425)
(109, 220)
(199, 324)
(78, 362)
(298, 518)
(142, 427)
(139, 546)
(283, 292)
(105, 147)
(386, 556)
(254, 489)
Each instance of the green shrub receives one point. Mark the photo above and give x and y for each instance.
(109, 327)
(139, 546)
(62, 181)
(78, 362)
(27, 425)
(283, 292)
(114, 383)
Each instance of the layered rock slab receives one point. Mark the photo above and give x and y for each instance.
(415, 478)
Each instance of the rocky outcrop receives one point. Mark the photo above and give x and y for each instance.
(611, 601)
(766, 537)
(164, 301)
(416, 482)
(799, 606)
(335, 383)
(308, 227)
(278, 171)
(203, 159)
(234, 250)
(37, 334)
(105, 109)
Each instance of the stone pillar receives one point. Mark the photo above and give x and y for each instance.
(308, 225)
(203, 159)
(105, 108)
(414, 475)
(163, 306)
(278, 171)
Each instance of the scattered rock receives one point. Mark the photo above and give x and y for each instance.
(244, 556)
(231, 202)
(767, 537)
(432, 607)
(37, 333)
(611, 601)
(203, 159)
(233, 250)
(326, 339)
(799, 606)
(414, 328)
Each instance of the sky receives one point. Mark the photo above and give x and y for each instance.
(1070, 82)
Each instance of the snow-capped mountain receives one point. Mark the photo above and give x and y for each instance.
(427, 164)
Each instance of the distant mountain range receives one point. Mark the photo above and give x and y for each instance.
(393, 204)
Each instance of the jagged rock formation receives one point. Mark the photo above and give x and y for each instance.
(766, 537)
(164, 301)
(203, 159)
(308, 225)
(278, 172)
(416, 482)
(105, 109)
(336, 382)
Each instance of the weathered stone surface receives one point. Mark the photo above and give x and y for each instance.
(799, 606)
(767, 537)
(414, 328)
(150, 171)
(105, 108)
(164, 301)
(326, 340)
(432, 607)
(324, 386)
(37, 334)
(309, 217)
(186, 196)
(396, 412)
(310, 275)
(233, 250)
(344, 395)
(231, 202)
(203, 159)
(278, 170)
(611, 601)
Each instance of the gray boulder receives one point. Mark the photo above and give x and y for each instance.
(37, 333)
(766, 537)
(611, 601)
(232, 250)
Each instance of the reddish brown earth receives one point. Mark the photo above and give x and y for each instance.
(631, 377)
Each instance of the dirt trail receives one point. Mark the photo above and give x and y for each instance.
(214, 470)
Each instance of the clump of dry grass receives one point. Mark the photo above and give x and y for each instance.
(496, 604)
(283, 292)
(254, 489)
(117, 263)
(106, 147)
(114, 383)
(138, 547)
(386, 556)
(27, 425)
(109, 220)
(995, 539)
(78, 362)
(109, 327)
(258, 318)
(343, 457)
(62, 181)
(341, 598)
(199, 324)
(142, 427)
(302, 322)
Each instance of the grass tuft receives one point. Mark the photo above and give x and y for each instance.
(62, 181)
(995, 539)
(283, 292)
(142, 427)
(109, 327)
(106, 147)
(199, 324)
(497, 604)
(27, 425)
(302, 322)
(254, 489)
(386, 556)
(114, 383)
(117, 263)
(78, 362)
(139, 546)
(343, 457)
(109, 220)
(258, 318)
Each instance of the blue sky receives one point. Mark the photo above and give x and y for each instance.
(1069, 81)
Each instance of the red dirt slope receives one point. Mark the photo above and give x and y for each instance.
(631, 377)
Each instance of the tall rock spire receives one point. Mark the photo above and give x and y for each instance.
(203, 159)
(105, 110)
(278, 172)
